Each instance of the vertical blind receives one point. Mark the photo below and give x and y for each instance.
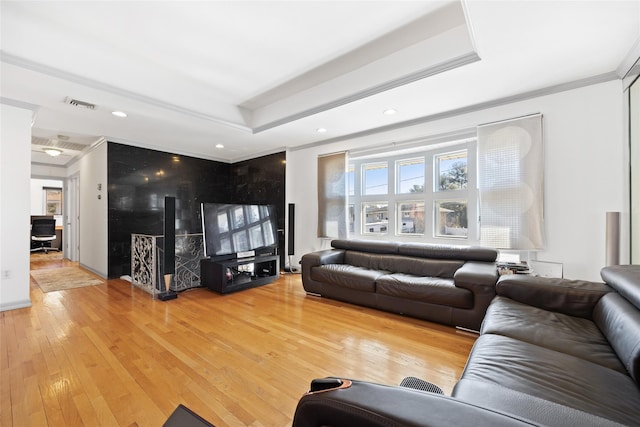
(511, 186)
(332, 196)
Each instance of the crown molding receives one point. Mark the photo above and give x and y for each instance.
(385, 86)
(629, 60)
(563, 87)
(94, 84)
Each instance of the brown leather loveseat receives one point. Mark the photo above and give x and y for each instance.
(551, 352)
(441, 283)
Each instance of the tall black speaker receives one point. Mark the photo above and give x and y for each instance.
(291, 230)
(169, 248)
(169, 235)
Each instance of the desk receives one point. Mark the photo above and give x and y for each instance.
(58, 242)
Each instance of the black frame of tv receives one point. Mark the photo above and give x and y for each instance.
(235, 230)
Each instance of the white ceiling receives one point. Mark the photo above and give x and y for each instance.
(261, 76)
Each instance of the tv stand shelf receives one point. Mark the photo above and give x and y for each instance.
(231, 275)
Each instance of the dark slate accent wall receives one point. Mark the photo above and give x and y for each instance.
(261, 180)
(139, 179)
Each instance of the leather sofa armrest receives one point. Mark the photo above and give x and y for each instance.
(377, 405)
(571, 297)
(474, 274)
(314, 259)
(480, 278)
(328, 256)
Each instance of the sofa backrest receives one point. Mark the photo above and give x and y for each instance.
(445, 268)
(420, 250)
(618, 315)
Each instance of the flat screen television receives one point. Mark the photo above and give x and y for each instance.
(237, 229)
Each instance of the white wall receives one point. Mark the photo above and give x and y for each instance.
(586, 172)
(15, 159)
(94, 211)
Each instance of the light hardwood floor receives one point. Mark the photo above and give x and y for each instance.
(110, 355)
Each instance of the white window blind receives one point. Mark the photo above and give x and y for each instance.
(332, 198)
(511, 186)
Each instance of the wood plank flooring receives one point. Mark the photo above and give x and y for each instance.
(109, 355)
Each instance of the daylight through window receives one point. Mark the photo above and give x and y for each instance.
(428, 194)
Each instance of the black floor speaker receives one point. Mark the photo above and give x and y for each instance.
(291, 230)
(169, 249)
(169, 235)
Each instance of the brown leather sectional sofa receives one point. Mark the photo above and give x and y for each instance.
(551, 352)
(446, 284)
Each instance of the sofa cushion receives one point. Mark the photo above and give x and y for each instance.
(370, 246)
(572, 297)
(537, 411)
(556, 331)
(404, 264)
(434, 290)
(619, 321)
(550, 375)
(465, 253)
(420, 250)
(626, 280)
(347, 276)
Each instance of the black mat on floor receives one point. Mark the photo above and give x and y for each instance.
(185, 417)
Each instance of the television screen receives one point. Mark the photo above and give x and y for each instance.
(232, 228)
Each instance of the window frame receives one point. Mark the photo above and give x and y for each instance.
(393, 198)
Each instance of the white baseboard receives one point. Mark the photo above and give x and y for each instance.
(15, 305)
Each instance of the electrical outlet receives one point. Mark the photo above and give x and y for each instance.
(6, 274)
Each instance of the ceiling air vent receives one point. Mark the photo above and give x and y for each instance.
(78, 103)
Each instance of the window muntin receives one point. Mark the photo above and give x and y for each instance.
(375, 218)
(410, 175)
(352, 218)
(451, 219)
(451, 171)
(411, 219)
(375, 178)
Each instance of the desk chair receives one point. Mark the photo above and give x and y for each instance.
(43, 233)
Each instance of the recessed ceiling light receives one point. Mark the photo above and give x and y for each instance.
(53, 152)
(119, 113)
(219, 146)
(389, 112)
(321, 130)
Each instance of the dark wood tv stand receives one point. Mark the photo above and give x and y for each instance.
(231, 275)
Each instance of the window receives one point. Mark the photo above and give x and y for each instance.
(424, 193)
(375, 218)
(52, 201)
(452, 171)
(411, 218)
(451, 218)
(375, 178)
(410, 176)
(351, 181)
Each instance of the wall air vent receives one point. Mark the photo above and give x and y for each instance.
(81, 104)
